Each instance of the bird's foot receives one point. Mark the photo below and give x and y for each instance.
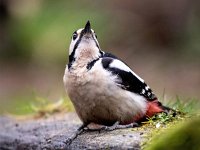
(116, 125)
(79, 131)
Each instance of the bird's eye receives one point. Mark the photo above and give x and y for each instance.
(74, 36)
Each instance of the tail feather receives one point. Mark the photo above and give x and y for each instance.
(168, 110)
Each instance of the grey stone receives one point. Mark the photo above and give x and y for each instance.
(53, 133)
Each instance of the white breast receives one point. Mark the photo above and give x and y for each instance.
(96, 95)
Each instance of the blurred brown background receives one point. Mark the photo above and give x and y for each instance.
(160, 40)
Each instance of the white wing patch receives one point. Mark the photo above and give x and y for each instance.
(120, 65)
(147, 87)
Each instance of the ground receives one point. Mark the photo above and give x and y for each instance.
(54, 132)
(52, 128)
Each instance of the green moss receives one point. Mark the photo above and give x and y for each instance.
(184, 135)
(155, 129)
(164, 130)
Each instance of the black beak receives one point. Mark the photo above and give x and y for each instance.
(87, 28)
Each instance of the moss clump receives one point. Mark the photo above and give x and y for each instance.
(185, 135)
(161, 124)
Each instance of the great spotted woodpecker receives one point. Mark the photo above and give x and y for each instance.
(102, 88)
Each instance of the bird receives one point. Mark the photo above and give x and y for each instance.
(104, 90)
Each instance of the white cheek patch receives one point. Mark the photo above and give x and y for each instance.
(71, 47)
(73, 42)
(79, 30)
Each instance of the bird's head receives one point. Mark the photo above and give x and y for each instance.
(84, 45)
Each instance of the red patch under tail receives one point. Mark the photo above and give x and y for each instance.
(153, 108)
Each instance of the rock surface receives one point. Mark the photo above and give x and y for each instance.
(54, 133)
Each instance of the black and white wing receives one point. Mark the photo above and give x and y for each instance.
(128, 79)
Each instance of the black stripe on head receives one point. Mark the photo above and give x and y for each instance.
(71, 56)
(97, 45)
